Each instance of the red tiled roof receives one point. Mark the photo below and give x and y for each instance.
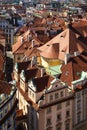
(68, 43)
(23, 47)
(72, 70)
(2, 60)
(81, 27)
(32, 52)
(42, 83)
(5, 87)
(52, 51)
(31, 73)
(23, 65)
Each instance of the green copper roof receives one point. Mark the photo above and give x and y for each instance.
(83, 77)
(54, 70)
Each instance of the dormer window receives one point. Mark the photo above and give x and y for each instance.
(18, 58)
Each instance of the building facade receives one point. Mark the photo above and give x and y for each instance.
(8, 105)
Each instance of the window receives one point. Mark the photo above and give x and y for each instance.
(86, 114)
(0, 127)
(78, 117)
(78, 95)
(0, 115)
(33, 95)
(18, 58)
(67, 126)
(5, 110)
(61, 93)
(58, 128)
(67, 113)
(56, 95)
(49, 121)
(78, 105)
(68, 103)
(59, 106)
(86, 102)
(48, 109)
(11, 103)
(30, 92)
(49, 128)
(58, 117)
(56, 85)
(51, 97)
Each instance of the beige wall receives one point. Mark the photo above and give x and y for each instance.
(16, 76)
(54, 112)
(23, 104)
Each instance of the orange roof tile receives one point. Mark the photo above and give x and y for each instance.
(72, 70)
(32, 52)
(81, 27)
(5, 87)
(42, 83)
(51, 52)
(68, 43)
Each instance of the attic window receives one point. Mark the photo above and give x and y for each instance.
(26, 47)
(62, 50)
(18, 58)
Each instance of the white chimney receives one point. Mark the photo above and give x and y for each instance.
(47, 34)
(42, 72)
(28, 38)
(76, 53)
(33, 61)
(67, 56)
(35, 34)
(22, 40)
(32, 42)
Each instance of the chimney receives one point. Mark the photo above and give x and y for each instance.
(35, 34)
(67, 56)
(33, 42)
(42, 72)
(28, 38)
(45, 31)
(33, 61)
(76, 53)
(22, 40)
(47, 34)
